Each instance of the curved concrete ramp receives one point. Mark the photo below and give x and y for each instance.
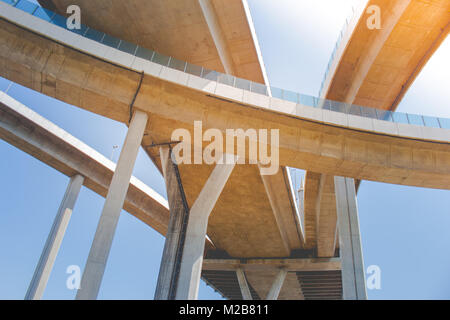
(376, 67)
(164, 26)
(310, 138)
(33, 134)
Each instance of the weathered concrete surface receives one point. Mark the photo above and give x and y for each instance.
(177, 28)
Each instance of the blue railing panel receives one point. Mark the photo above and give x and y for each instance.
(44, 14)
(127, 47)
(111, 41)
(160, 59)
(26, 6)
(431, 122)
(94, 35)
(276, 92)
(177, 64)
(144, 53)
(194, 69)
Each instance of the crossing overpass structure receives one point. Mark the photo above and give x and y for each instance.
(374, 68)
(260, 244)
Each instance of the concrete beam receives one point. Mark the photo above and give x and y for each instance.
(371, 52)
(326, 217)
(274, 291)
(54, 240)
(243, 285)
(261, 282)
(353, 275)
(192, 259)
(316, 264)
(215, 29)
(310, 192)
(283, 207)
(101, 246)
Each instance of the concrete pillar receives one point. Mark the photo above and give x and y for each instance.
(243, 284)
(171, 259)
(98, 255)
(45, 265)
(181, 264)
(217, 35)
(192, 258)
(353, 276)
(274, 291)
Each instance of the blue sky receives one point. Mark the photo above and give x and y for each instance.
(404, 229)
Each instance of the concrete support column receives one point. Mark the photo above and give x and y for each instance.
(46, 261)
(98, 255)
(243, 284)
(173, 246)
(217, 34)
(274, 291)
(192, 258)
(353, 276)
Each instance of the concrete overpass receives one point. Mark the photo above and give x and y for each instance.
(104, 80)
(33, 134)
(217, 34)
(374, 68)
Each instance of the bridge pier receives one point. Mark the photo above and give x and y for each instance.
(176, 231)
(353, 275)
(182, 260)
(101, 246)
(46, 261)
(243, 285)
(275, 290)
